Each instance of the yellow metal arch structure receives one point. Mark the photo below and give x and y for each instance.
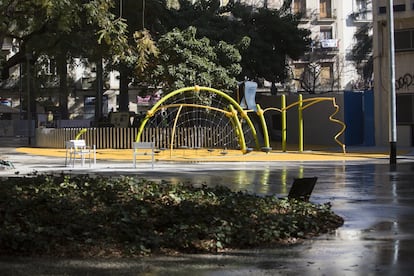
(235, 109)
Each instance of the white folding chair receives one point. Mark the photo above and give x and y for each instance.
(78, 149)
(142, 148)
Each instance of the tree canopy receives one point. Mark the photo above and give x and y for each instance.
(264, 37)
(362, 54)
(222, 42)
(274, 37)
(186, 60)
(47, 27)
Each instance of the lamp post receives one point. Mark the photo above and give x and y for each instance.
(392, 97)
(143, 14)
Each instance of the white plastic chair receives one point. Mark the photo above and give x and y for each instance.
(78, 149)
(142, 148)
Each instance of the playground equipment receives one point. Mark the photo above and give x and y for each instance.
(301, 107)
(204, 117)
(195, 117)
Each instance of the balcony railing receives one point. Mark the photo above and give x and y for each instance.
(362, 16)
(329, 43)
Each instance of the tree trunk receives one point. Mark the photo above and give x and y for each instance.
(30, 99)
(63, 87)
(123, 89)
(99, 91)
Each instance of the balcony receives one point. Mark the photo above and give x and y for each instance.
(326, 18)
(361, 16)
(331, 44)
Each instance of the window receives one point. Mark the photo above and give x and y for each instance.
(89, 101)
(361, 5)
(298, 75)
(7, 44)
(326, 38)
(47, 66)
(326, 74)
(399, 8)
(405, 104)
(89, 107)
(325, 33)
(404, 40)
(299, 6)
(363, 10)
(51, 68)
(396, 8)
(325, 9)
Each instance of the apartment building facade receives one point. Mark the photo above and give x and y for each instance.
(328, 66)
(403, 11)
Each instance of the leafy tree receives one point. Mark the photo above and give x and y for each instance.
(362, 54)
(274, 37)
(41, 25)
(62, 29)
(145, 50)
(142, 19)
(98, 29)
(211, 19)
(264, 36)
(186, 60)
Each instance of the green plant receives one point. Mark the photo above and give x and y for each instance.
(99, 216)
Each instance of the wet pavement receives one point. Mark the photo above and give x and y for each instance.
(375, 199)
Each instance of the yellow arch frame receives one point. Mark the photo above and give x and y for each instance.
(234, 107)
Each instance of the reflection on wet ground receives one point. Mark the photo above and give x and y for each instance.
(376, 201)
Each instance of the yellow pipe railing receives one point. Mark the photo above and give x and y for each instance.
(313, 101)
(284, 125)
(300, 122)
(302, 105)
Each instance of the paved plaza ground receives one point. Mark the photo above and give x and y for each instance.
(375, 199)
